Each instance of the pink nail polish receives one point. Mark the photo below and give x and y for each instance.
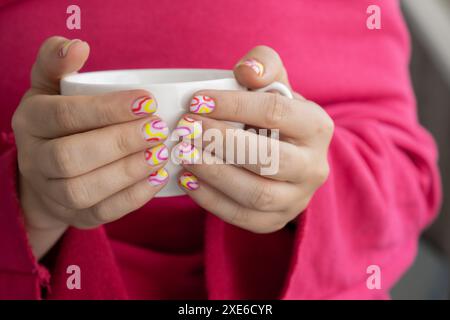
(202, 104)
(144, 106)
(156, 130)
(65, 48)
(188, 181)
(256, 66)
(158, 177)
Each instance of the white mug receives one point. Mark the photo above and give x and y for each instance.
(173, 90)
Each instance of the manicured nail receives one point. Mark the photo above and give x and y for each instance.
(189, 128)
(188, 181)
(202, 104)
(157, 130)
(256, 66)
(158, 177)
(186, 153)
(65, 48)
(144, 105)
(156, 155)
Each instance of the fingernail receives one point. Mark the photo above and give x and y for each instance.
(202, 104)
(144, 105)
(156, 155)
(157, 130)
(256, 66)
(188, 181)
(65, 48)
(158, 177)
(186, 153)
(189, 128)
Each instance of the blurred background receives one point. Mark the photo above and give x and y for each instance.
(429, 24)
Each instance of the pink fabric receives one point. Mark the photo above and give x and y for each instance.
(383, 188)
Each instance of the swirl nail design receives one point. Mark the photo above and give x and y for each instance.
(186, 153)
(156, 155)
(156, 130)
(144, 105)
(158, 177)
(189, 128)
(188, 181)
(256, 66)
(202, 104)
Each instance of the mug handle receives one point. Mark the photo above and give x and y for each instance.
(277, 86)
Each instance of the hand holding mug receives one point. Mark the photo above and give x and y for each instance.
(239, 194)
(83, 160)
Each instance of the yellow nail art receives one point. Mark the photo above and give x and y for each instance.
(189, 128)
(188, 181)
(256, 66)
(156, 130)
(156, 155)
(158, 177)
(202, 104)
(186, 153)
(144, 105)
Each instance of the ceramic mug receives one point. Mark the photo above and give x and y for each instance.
(173, 90)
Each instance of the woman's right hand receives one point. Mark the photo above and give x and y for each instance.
(82, 159)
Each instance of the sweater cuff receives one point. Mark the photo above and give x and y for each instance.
(21, 276)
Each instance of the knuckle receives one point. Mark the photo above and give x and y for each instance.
(269, 225)
(18, 121)
(122, 142)
(64, 114)
(239, 102)
(321, 173)
(75, 194)
(101, 214)
(61, 157)
(276, 110)
(263, 196)
(325, 125)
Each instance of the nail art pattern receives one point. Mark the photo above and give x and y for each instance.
(156, 155)
(158, 177)
(188, 181)
(65, 48)
(189, 128)
(144, 105)
(258, 67)
(156, 130)
(186, 153)
(202, 104)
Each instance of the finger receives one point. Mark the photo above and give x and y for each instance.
(86, 190)
(261, 154)
(57, 56)
(247, 189)
(51, 116)
(80, 153)
(228, 210)
(299, 120)
(259, 67)
(123, 202)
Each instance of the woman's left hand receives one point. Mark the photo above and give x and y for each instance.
(238, 193)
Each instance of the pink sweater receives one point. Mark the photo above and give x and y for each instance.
(382, 191)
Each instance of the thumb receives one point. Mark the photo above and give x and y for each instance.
(57, 56)
(260, 67)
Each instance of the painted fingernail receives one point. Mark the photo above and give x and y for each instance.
(156, 155)
(144, 105)
(186, 153)
(188, 181)
(157, 130)
(189, 128)
(256, 66)
(158, 177)
(65, 48)
(202, 104)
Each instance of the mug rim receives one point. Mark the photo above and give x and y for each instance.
(81, 79)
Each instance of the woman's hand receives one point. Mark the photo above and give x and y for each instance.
(239, 194)
(82, 159)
